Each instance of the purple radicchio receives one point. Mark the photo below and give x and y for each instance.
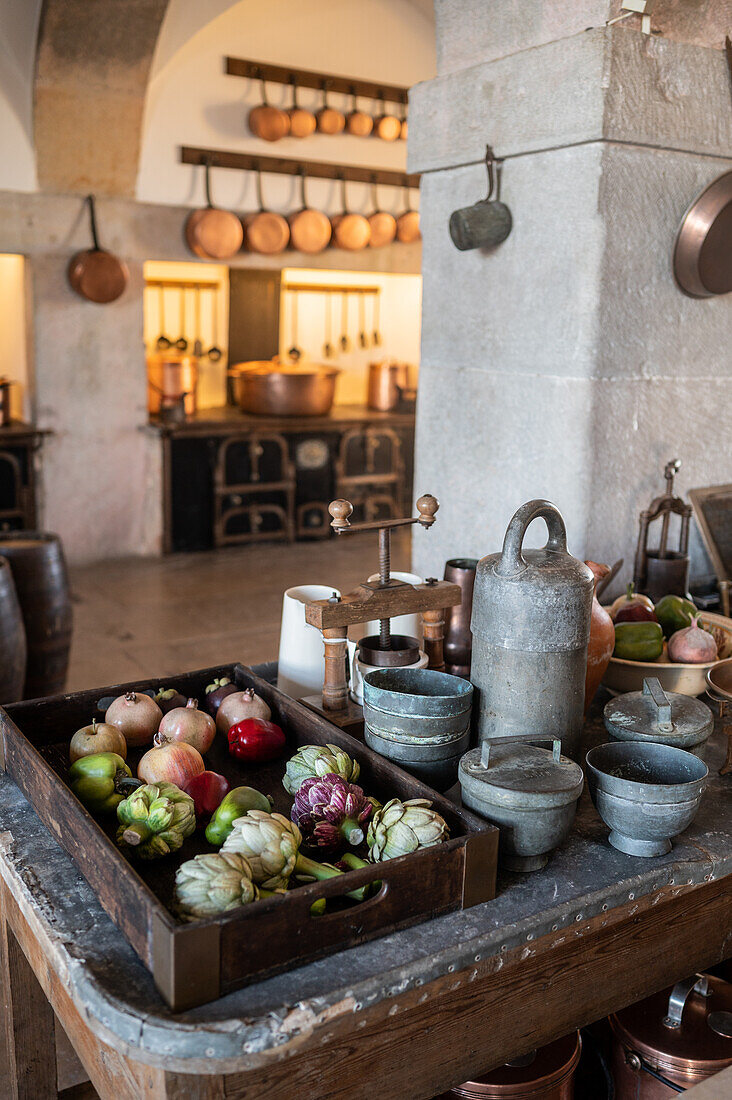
(329, 811)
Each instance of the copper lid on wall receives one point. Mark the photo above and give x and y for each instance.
(703, 249)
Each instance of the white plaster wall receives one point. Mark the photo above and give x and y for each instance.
(191, 101)
(18, 33)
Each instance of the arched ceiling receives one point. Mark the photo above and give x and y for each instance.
(92, 68)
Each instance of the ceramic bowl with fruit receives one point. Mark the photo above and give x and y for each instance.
(671, 640)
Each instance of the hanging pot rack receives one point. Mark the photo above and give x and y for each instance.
(305, 78)
(290, 166)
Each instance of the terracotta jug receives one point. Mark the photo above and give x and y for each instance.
(602, 639)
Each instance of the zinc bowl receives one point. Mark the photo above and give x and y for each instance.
(646, 793)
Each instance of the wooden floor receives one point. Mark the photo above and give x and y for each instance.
(144, 617)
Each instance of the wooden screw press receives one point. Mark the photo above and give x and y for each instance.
(383, 600)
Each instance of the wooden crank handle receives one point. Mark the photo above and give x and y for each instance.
(340, 511)
(427, 507)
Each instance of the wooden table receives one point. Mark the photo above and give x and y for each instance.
(402, 1017)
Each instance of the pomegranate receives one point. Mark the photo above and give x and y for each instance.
(235, 708)
(174, 762)
(98, 737)
(187, 724)
(136, 716)
(632, 608)
(692, 645)
(217, 692)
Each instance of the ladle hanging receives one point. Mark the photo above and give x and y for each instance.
(214, 353)
(295, 352)
(163, 342)
(344, 340)
(181, 343)
(328, 349)
(363, 340)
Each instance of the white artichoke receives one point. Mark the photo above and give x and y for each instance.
(213, 883)
(270, 843)
(402, 827)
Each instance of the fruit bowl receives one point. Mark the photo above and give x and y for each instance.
(622, 675)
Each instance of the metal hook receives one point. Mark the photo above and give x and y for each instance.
(489, 159)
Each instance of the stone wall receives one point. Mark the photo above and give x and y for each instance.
(566, 363)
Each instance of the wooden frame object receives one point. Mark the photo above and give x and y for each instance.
(197, 962)
(295, 166)
(716, 539)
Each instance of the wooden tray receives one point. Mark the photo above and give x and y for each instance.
(197, 962)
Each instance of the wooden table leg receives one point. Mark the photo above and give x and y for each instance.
(29, 1024)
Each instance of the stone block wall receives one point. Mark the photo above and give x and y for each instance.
(566, 363)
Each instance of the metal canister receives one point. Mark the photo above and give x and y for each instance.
(681, 1035)
(531, 625)
(420, 719)
(547, 1075)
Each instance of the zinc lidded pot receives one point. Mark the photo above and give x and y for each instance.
(531, 626)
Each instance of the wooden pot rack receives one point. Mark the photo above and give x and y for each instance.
(305, 78)
(329, 288)
(290, 166)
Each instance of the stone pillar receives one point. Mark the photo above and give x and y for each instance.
(566, 363)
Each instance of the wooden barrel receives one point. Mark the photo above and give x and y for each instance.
(12, 639)
(41, 582)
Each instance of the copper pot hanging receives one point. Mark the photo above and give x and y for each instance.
(211, 233)
(383, 225)
(310, 230)
(408, 223)
(330, 121)
(303, 123)
(94, 273)
(358, 122)
(350, 231)
(267, 122)
(387, 126)
(266, 232)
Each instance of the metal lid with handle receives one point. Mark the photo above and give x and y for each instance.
(667, 718)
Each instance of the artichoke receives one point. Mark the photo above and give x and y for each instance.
(329, 811)
(313, 761)
(213, 883)
(270, 843)
(155, 820)
(403, 827)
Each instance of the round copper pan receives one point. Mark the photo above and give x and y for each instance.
(703, 250)
(266, 232)
(302, 122)
(383, 228)
(94, 273)
(211, 233)
(310, 230)
(267, 122)
(548, 1076)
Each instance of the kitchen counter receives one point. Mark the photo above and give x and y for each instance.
(411, 1013)
(230, 418)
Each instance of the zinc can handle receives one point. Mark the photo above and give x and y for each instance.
(512, 560)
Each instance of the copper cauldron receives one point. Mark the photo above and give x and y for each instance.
(266, 388)
(548, 1075)
(682, 1035)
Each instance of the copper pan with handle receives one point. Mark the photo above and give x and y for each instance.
(303, 123)
(211, 233)
(267, 122)
(330, 120)
(388, 127)
(408, 223)
(94, 273)
(266, 232)
(310, 230)
(350, 231)
(358, 122)
(383, 224)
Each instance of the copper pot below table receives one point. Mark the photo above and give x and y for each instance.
(549, 1075)
(686, 1054)
(266, 388)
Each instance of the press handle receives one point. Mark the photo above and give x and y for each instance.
(662, 703)
(526, 738)
(512, 560)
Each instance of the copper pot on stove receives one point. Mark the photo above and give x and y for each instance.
(681, 1035)
(546, 1074)
(387, 380)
